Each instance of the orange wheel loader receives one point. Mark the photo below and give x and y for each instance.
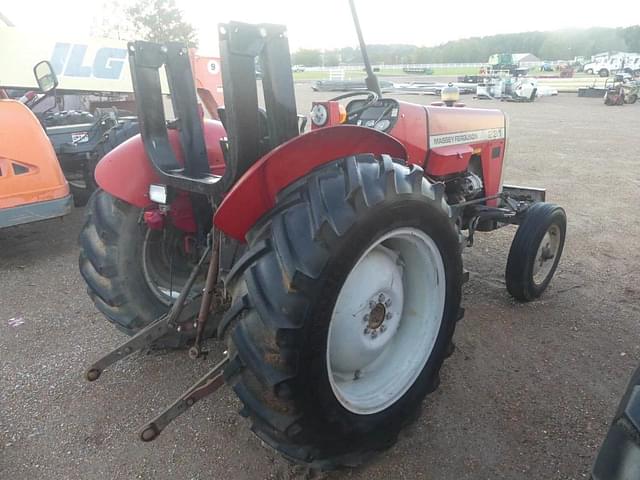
(32, 185)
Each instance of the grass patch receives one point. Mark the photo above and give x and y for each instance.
(449, 71)
(310, 76)
(443, 71)
(384, 72)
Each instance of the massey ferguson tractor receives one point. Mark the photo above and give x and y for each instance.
(328, 260)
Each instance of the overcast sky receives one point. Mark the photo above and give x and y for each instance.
(327, 23)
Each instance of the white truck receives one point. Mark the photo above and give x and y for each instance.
(605, 65)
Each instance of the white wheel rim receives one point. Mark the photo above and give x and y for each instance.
(386, 320)
(546, 254)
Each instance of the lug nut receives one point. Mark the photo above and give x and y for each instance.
(388, 315)
(388, 302)
(374, 334)
(381, 298)
(383, 327)
(366, 331)
(366, 318)
(372, 304)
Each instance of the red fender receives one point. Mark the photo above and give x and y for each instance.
(255, 193)
(126, 172)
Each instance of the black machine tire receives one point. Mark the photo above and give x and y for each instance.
(539, 219)
(284, 290)
(83, 190)
(603, 72)
(631, 99)
(618, 454)
(589, 71)
(111, 244)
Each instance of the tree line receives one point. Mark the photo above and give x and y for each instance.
(162, 21)
(554, 45)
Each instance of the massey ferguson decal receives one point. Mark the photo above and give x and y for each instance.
(447, 139)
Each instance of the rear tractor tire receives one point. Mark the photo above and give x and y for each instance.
(535, 251)
(344, 308)
(132, 273)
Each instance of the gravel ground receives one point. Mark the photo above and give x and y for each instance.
(527, 394)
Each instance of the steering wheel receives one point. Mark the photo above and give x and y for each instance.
(372, 97)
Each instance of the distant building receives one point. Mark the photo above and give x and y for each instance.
(525, 58)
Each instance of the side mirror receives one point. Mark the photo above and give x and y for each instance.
(45, 76)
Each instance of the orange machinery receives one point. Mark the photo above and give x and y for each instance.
(32, 185)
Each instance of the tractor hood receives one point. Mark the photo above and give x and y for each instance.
(448, 126)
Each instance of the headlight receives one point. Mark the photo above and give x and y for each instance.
(158, 194)
(319, 115)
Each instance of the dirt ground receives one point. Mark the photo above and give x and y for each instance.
(527, 394)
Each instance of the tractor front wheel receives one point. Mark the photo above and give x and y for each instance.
(132, 273)
(344, 308)
(535, 251)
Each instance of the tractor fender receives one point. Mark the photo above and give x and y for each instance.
(255, 193)
(126, 171)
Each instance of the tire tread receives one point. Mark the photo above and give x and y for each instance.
(102, 268)
(529, 234)
(294, 242)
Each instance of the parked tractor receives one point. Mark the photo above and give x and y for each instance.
(623, 90)
(328, 260)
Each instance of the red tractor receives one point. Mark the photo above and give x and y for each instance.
(329, 261)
